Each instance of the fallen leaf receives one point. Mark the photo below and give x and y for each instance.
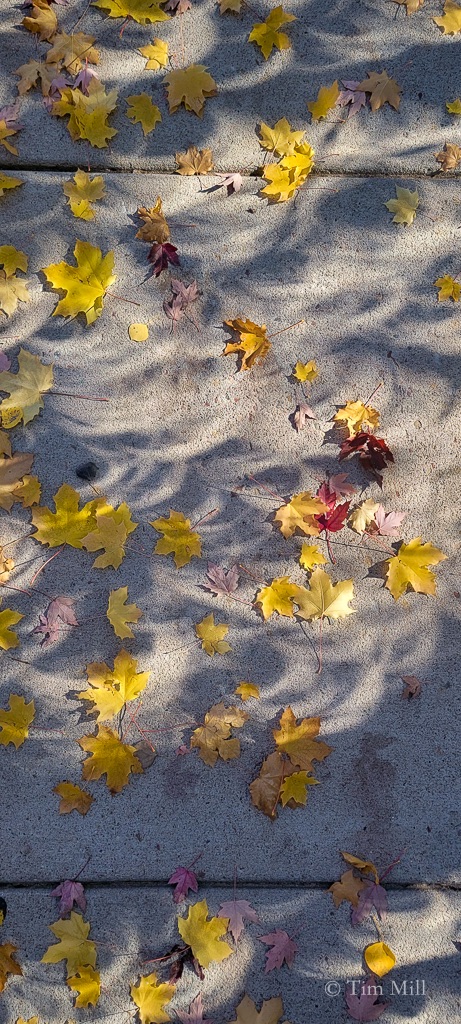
(221, 581)
(283, 950)
(373, 452)
(213, 739)
(42, 21)
(363, 515)
(405, 206)
(178, 538)
(365, 1006)
(111, 757)
(112, 528)
(448, 288)
(85, 285)
(412, 6)
(306, 371)
(68, 893)
(8, 965)
(450, 20)
(298, 514)
(74, 946)
(409, 568)
(450, 155)
(196, 1013)
(280, 139)
(298, 741)
(86, 982)
(325, 599)
(28, 492)
(382, 90)
(366, 866)
(74, 51)
(7, 181)
(234, 6)
(211, 634)
(141, 110)
(25, 389)
(247, 690)
(379, 958)
(156, 54)
(82, 192)
(412, 687)
(73, 798)
(266, 789)
(253, 345)
(142, 11)
(351, 94)
(182, 297)
(14, 723)
(356, 415)
(278, 597)
(12, 471)
(12, 259)
(6, 566)
(191, 86)
(372, 896)
(155, 227)
(160, 255)
(266, 34)
(348, 888)
(454, 107)
(111, 689)
(231, 182)
(194, 161)
(286, 177)
(236, 913)
(151, 997)
(293, 791)
(183, 879)
(301, 414)
(88, 113)
(388, 525)
(120, 613)
(68, 524)
(327, 99)
(203, 936)
(138, 332)
(178, 6)
(8, 638)
(59, 612)
(311, 556)
(270, 1012)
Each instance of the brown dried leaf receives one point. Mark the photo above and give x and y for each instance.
(194, 161)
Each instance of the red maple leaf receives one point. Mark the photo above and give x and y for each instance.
(160, 255)
(373, 452)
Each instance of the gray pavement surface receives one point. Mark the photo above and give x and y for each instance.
(183, 430)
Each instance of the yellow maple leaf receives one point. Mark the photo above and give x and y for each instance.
(287, 176)
(357, 417)
(12, 291)
(454, 107)
(211, 634)
(68, 524)
(7, 182)
(409, 568)
(253, 345)
(277, 597)
(142, 11)
(362, 865)
(379, 957)
(12, 259)
(42, 20)
(382, 90)
(450, 20)
(110, 689)
(111, 757)
(203, 936)
(150, 997)
(31, 1020)
(266, 34)
(5, 134)
(6, 566)
(234, 6)
(72, 51)
(73, 798)
(74, 946)
(8, 638)
(306, 371)
(11, 472)
(194, 161)
(247, 690)
(86, 981)
(298, 514)
(112, 529)
(270, 1013)
(14, 723)
(156, 54)
(191, 86)
(85, 285)
(360, 518)
(82, 192)
(178, 538)
(281, 139)
(299, 742)
(214, 738)
(143, 111)
(326, 100)
(404, 207)
(324, 598)
(294, 788)
(28, 491)
(88, 112)
(33, 72)
(311, 556)
(8, 965)
(120, 613)
(448, 288)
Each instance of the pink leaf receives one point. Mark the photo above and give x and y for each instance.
(389, 525)
(60, 611)
(196, 1011)
(231, 182)
(413, 687)
(84, 78)
(301, 414)
(184, 880)
(372, 896)
(350, 94)
(5, 363)
(339, 484)
(160, 255)
(68, 893)
(238, 911)
(364, 1006)
(222, 581)
(283, 950)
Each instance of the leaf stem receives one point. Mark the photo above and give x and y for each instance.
(88, 398)
(289, 328)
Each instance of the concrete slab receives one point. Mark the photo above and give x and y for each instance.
(181, 430)
(344, 41)
(133, 925)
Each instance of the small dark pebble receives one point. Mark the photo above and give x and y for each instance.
(87, 471)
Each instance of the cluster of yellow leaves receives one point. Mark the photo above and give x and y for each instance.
(14, 723)
(85, 285)
(266, 33)
(214, 738)
(297, 160)
(357, 417)
(191, 86)
(25, 389)
(82, 192)
(96, 525)
(253, 344)
(87, 113)
(68, 52)
(12, 289)
(178, 538)
(111, 689)
(404, 207)
(141, 110)
(156, 54)
(288, 771)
